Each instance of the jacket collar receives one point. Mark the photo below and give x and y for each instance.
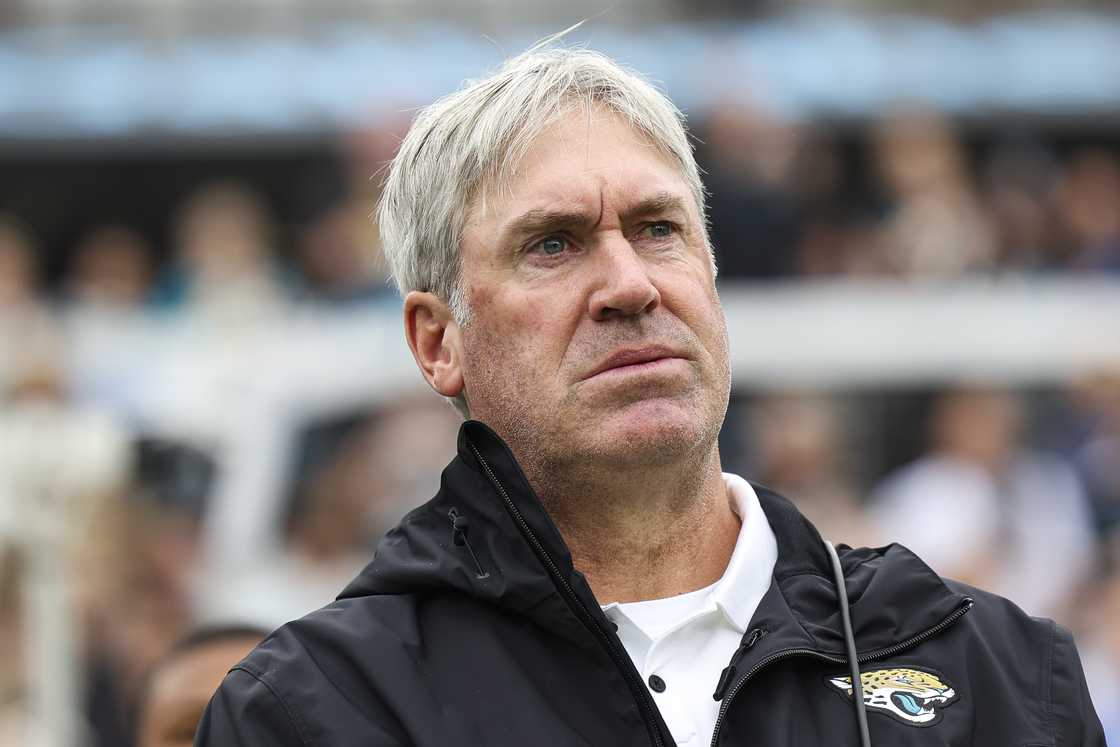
(893, 596)
(513, 556)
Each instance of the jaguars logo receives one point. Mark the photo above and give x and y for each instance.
(907, 695)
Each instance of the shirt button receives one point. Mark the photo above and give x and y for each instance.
(656, 684)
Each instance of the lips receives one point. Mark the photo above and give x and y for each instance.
(634, 357)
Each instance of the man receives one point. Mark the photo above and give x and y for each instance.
(586, 575)
(179, 686)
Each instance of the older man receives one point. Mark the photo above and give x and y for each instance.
(586, 574)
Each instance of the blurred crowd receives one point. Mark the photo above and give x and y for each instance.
(913, 202)
(1015, 491)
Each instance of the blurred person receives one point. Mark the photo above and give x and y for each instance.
(365, 150)
(797, 443)
(148, 559)
(1097, 455)
(225, 252)
(110, 335)
(410, 441)
(750, 157)
(111, 269)
(836, 230)
(983, 508)
(62, 465)
(839, 245)
(1091, 204)
(28, 333)
(137, 612)
(341, 265)
(180, 684)
(18, 273)
(586, 573)
(339, 257)
(1021, 195)
(935, 226)
(382, 469)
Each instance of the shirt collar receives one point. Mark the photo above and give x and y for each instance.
(748, 574)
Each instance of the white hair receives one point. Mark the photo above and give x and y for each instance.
(471, 142)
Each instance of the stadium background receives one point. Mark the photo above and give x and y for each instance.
(207, 412)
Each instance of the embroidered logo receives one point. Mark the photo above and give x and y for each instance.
(911, 696)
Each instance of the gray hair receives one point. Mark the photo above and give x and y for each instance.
(472, 141)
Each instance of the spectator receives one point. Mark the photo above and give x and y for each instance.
(338, 244)
(1098, 455)
(27, 331)
(753, 209)
(108, 285)
(61, 467)
(982, 508)
(338, 248)
(1091, 202)
(1021, 196)
(111, 269)
(935, 227)
(796, 449)
(836, 229)
(226, 254)
(142, 609)
(382, 469)
(18, 274)
(180, 685)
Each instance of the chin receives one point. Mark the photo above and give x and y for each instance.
(654, 430)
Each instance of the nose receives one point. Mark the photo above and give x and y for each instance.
(624, 287)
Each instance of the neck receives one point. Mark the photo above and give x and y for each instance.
(649, 534)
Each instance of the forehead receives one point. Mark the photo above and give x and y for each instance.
(586, 155)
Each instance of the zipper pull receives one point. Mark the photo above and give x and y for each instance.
(459, 527)
(728, 672)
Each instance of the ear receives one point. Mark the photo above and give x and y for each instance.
(435, 340)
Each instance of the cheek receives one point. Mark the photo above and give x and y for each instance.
(695, 301)
(480, 296)
(501, 323)
(503, 345)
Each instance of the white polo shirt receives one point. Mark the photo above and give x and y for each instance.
(682, 643)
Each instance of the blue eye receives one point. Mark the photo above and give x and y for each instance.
(661, 229)
(552, 245)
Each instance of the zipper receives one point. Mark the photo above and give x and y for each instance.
(870, 656)
(617, 653)
(459, 527)
(728, 672)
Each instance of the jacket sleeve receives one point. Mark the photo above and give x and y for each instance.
(245, 712)
(1076, 723)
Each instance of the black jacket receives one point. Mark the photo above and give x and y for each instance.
(471, 627)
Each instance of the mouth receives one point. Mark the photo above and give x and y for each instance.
(916, 705)
(636, 360)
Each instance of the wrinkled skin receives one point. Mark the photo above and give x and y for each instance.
(595, 246)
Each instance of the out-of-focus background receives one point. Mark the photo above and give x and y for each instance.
(207, 411)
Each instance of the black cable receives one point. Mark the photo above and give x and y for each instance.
(850, 642)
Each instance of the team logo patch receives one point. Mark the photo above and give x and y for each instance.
(911, 696)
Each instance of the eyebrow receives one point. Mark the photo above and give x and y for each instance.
(656, 204)
(546, 219)
(550, 219)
